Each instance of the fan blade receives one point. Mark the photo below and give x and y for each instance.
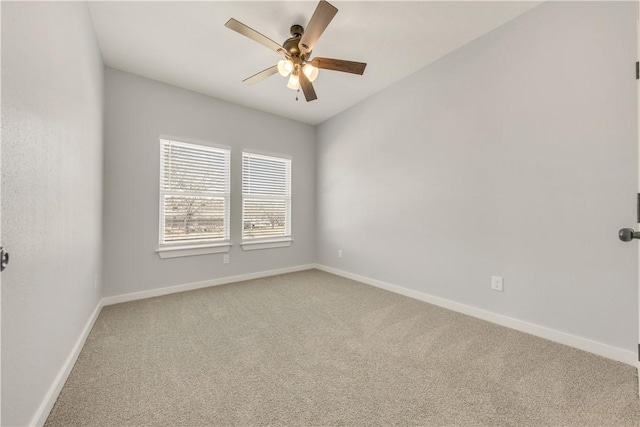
(239, 27)
(261, 75)
(307, 87)
(339, 65)
(323, 14)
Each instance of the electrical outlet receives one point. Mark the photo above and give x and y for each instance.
(225, 259)
(339, 253)
(496, 283)
(95, 282)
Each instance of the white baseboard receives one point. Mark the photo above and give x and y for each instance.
(116, 299)
(52, 395)
(585, 344)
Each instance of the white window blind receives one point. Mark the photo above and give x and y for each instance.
(266, 196)
(194, 193)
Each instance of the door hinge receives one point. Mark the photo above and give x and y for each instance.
(638, 352)
(638, 212)
(637, 70)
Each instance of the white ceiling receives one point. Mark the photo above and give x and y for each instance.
(186, 44)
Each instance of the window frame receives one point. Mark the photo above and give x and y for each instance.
(270, 241)
(201, 247)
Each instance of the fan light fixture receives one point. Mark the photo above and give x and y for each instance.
(294, 81)
(310, 71)
(285, 66)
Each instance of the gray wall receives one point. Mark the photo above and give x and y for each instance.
(514, 156)
(52, 107)
(138, 111)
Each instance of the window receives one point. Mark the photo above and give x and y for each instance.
(266, 200)
(194, 198)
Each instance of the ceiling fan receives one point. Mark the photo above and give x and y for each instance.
(297, 62)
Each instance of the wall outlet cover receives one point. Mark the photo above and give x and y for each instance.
(497, 283)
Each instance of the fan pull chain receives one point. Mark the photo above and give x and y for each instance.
(297, 92)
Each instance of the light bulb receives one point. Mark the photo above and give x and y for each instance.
(294, 81)
(310, 71)
(284, 67)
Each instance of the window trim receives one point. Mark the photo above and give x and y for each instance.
(266, 243)
(191, 250)
(202, 247)
(272, 241)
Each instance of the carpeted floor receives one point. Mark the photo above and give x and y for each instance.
(311, 348)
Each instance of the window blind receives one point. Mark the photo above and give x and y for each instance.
(266, 196)
(194, 193)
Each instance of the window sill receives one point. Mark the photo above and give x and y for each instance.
(191, 250)
(249, 245)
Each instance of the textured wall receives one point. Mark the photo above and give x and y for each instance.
(515, 155)
(52, 106)
(138, 112)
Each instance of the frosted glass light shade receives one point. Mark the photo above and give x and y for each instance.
(310, 71)
(284, 67)
(294, 82)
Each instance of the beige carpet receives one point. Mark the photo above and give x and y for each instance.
(311, 348)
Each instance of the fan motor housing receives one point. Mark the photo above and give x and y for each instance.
(291, 44)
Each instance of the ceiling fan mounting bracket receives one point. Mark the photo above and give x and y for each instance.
(296, 30)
